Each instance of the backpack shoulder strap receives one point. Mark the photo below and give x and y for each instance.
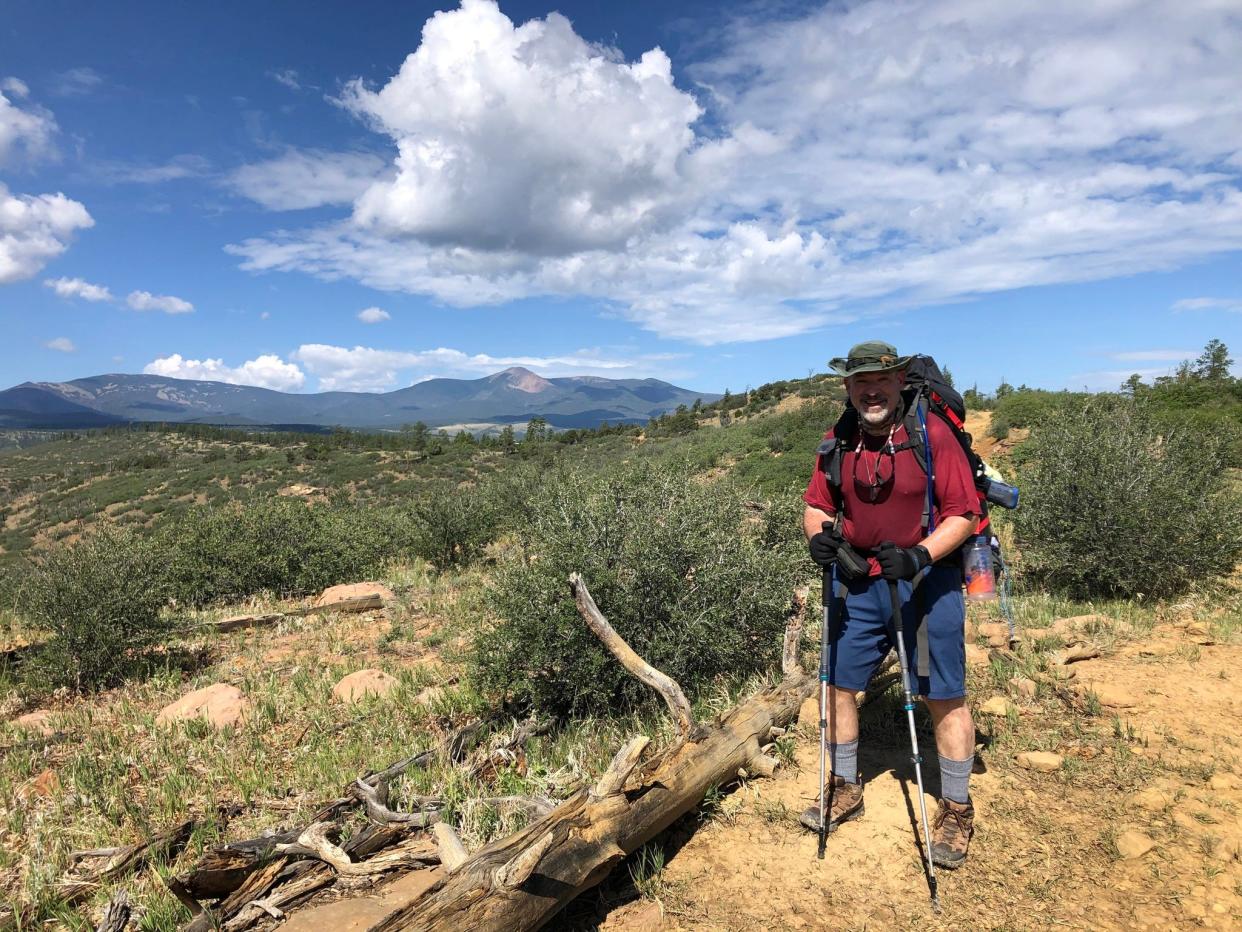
(831, 452)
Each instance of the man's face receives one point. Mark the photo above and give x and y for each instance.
(875, 395)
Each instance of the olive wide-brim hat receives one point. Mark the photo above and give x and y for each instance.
(872, 356)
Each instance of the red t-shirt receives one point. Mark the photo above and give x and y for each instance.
(884, 494)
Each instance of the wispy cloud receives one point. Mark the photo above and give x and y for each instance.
(286, 76)
(178, 168)
(897, 152)
(301, 178)
(145, 301)
(76, 82)
(61, 345)
(1209, 304)
(1154, 355)
(373, 315)
(78, 288)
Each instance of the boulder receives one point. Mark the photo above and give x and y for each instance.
(1133, 844)
(1077, 653)
(1043, 761)
(38, 721)
(363, 683)
(220, 704)
(1224, 781)
(1066, 625)
(997, 705)
(975, 656)
(808, 713)
(1152, 800)
(353, 597)
(1111, 697)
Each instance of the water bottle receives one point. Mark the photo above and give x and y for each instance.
(977, 567)
(999, 493)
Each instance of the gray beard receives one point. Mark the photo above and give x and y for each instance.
(877, 422)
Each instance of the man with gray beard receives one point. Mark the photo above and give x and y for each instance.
(868, 531)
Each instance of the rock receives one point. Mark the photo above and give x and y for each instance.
(1224, 781)
(1077, 653)
(353, 597)
(1133, 844)
(997, 705)
(1111, 697)
(1229, 848)
(41, 787)
(1198, 632)
(994, 628)
(808, 713)
(1066, 625)
(430, 696)
(1025, 687)
(1043, 761)
(39, 722)
(220, 704)
(976, 656)
(998, 640)
(1152, 800)
(1037, 634)
(363, 683)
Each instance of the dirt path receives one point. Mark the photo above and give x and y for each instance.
(1045, 855)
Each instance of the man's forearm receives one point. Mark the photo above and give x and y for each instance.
(813, 521)
(951, 534)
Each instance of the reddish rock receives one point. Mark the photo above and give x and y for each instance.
(354, 597)
(39, 721)
(363, 683)
(220, 704)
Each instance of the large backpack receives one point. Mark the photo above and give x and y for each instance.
(926, 393)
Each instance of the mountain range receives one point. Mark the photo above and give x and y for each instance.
(513, 396)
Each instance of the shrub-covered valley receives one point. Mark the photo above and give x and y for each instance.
(140, 565)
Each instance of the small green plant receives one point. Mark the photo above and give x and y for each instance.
(647, 869)
(102, 600)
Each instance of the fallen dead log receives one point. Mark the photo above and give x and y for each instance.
(521, 881)
(116, 915)
(240, 622)
(103, 865)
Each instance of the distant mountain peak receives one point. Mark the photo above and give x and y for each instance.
(523, 380)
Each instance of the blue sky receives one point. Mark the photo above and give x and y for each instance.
(320, 195)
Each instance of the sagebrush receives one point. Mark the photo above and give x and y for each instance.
(1117, 504)
(694, 574)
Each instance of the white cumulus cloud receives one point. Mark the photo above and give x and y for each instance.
(34, 230)
(24, 130)
(301, 179)
(855, 158)
(61, 345)
(266, 371)
(145, 301)
(78, 288)
(373, 315)
(524, 136)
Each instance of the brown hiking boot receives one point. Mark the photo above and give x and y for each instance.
(951, 831)
(844, 800)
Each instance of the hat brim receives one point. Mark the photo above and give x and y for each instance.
(839, 364)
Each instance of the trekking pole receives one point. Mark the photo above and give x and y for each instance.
(823, 709)
(914, 742)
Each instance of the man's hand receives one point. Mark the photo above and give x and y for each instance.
(825, 544)
(901, 562)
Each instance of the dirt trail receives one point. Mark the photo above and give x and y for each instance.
(1044, 855)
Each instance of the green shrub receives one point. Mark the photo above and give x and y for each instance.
(999, 427)
(1113, 507)
(275, 543)
(451, 528)
(101, 598)
(695, 576)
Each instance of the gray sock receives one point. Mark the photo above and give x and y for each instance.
(955, 778)
(845, 760)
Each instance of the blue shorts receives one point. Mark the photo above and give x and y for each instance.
(860, 632)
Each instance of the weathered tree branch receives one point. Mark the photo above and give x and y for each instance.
(666, 686)
(453, 853)
(791, 660)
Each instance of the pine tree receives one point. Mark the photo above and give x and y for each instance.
(1214, 362)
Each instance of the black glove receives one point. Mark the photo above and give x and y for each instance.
(901, 562)
(825, 544)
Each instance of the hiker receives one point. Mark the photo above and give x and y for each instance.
(869, 530)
